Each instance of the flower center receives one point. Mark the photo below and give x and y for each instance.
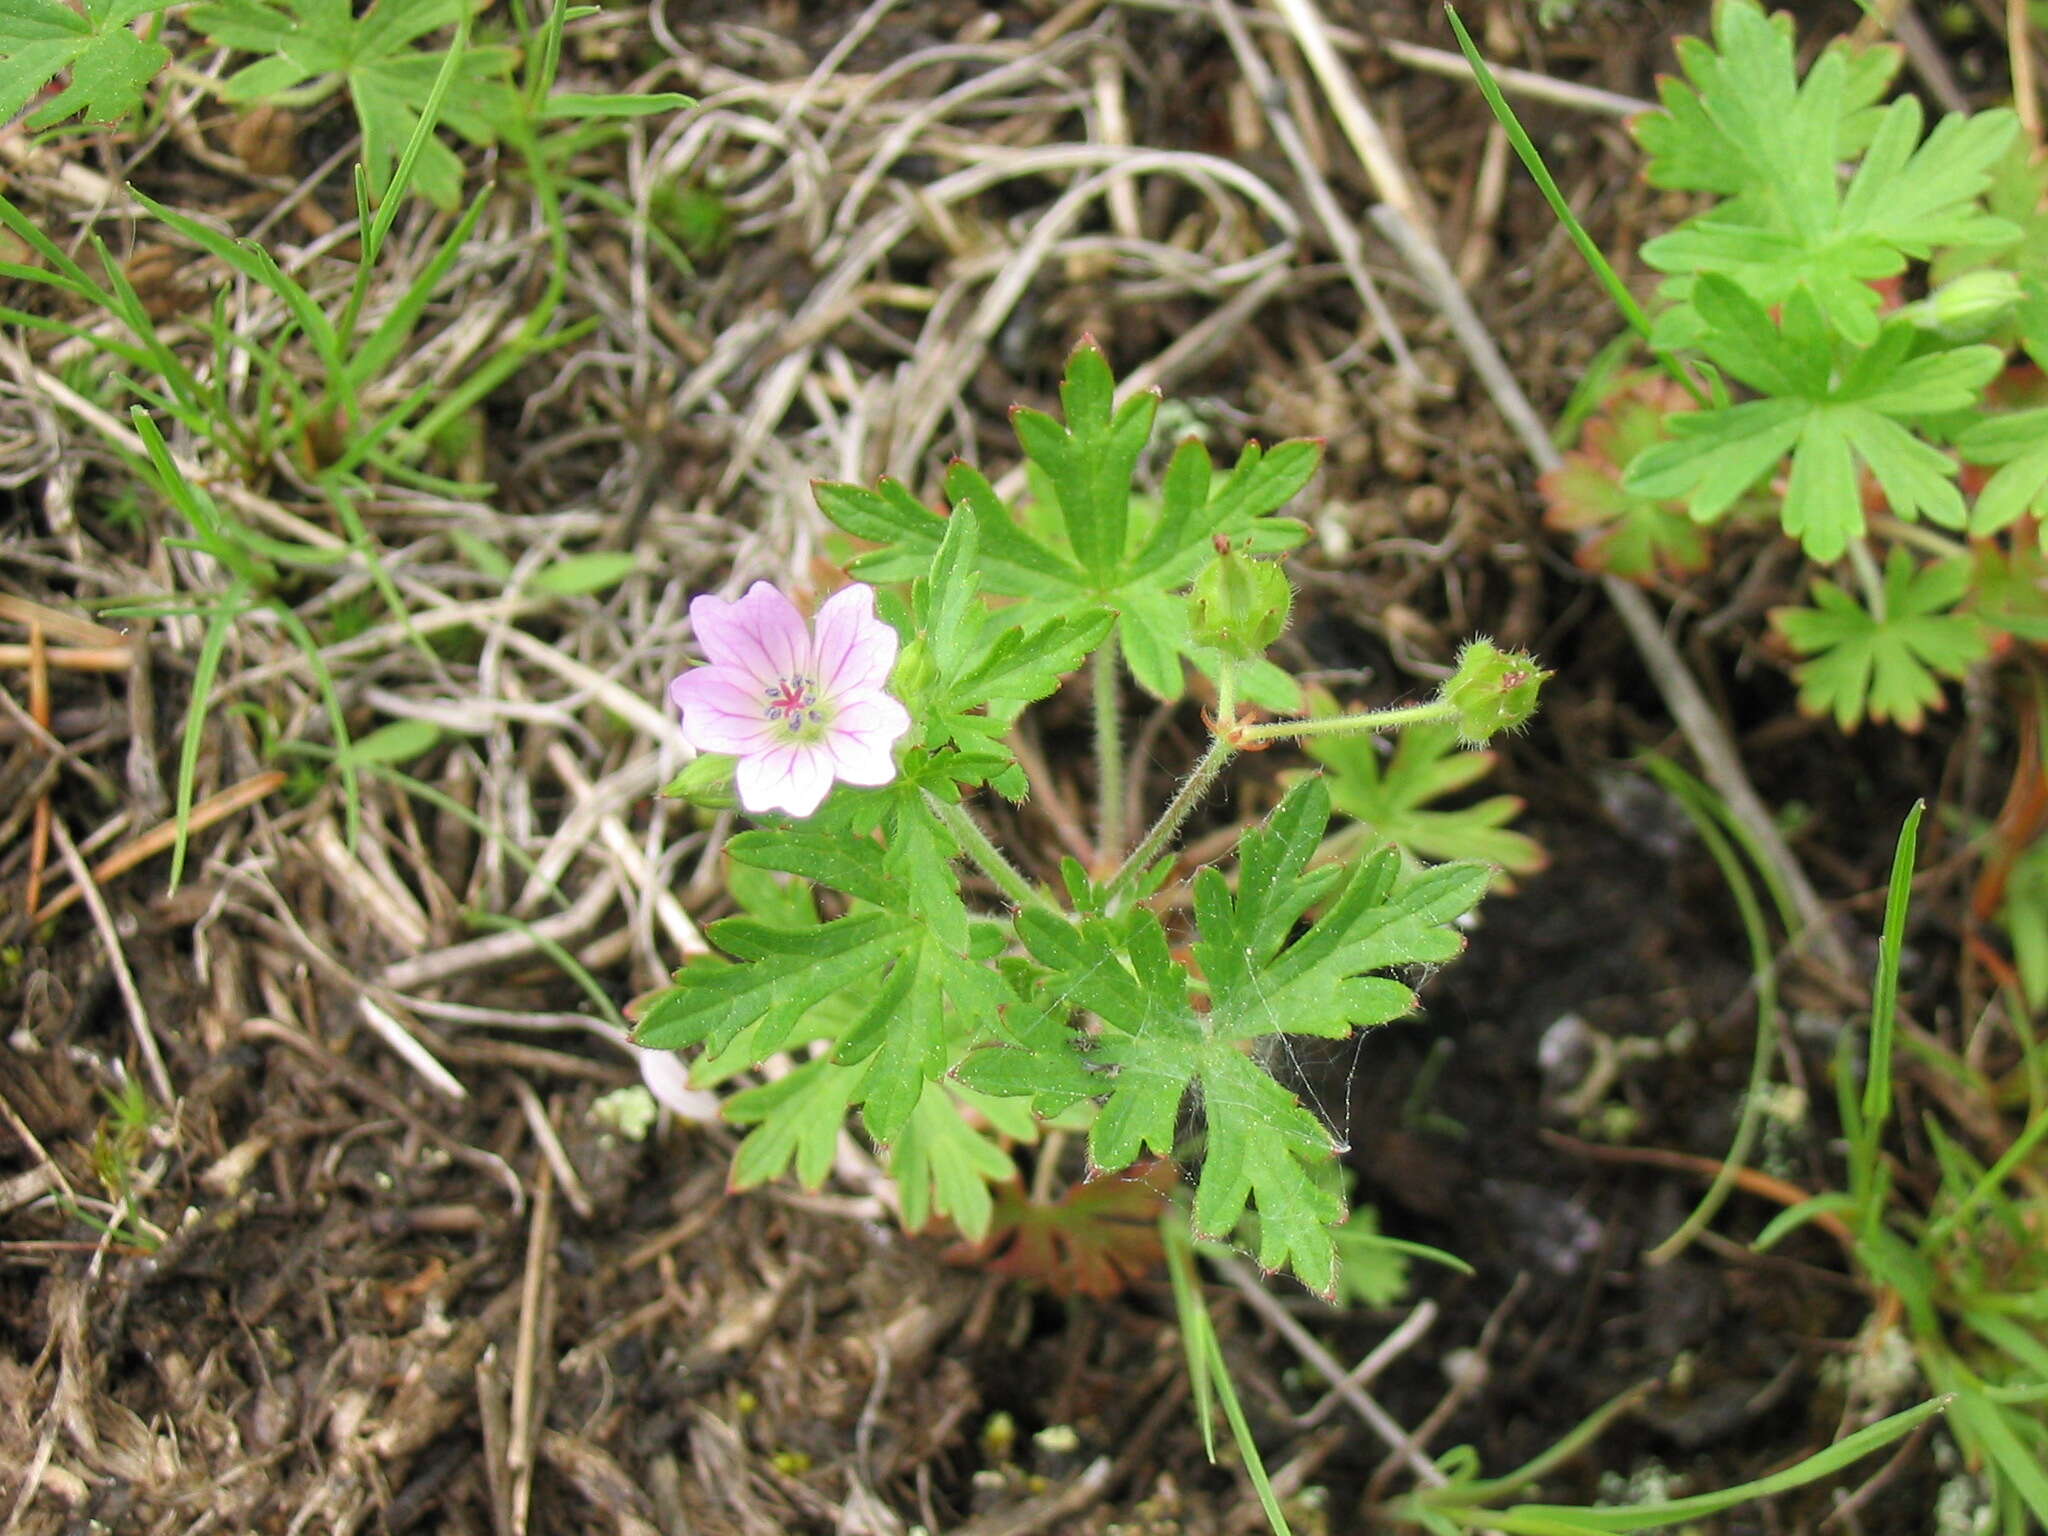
(793, 704)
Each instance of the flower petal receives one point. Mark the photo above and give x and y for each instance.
(863, 738)
(667, 1079)
(793, 777)
(854, 648)
(722, 711)
(855, 761)
(761, 635)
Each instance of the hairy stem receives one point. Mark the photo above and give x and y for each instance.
(1226, 698)
(987, 857)
(1371, 721)
(1189, 795)
(1868, 577)
(1109, 750)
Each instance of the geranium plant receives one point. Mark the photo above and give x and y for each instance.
(912, 972)
(1856, 318)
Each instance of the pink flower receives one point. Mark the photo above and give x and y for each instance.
(798, 705)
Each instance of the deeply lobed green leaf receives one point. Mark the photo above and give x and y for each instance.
(1087, 553)
(1830, 417)
(1167, 1035)
(1744, 125)
(1863, 667)
(110, 63)
(1390, 798)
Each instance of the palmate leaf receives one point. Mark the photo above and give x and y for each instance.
(1097, 1240)
(908, 958)
(1747, 127)
(1089, 460)
(1325, 982)
(1863, 668)
(1829, 419)
(885, 1000)
(1903, 203)
(2016, 441)
(1090, 553)
(1159, 1041)
(109, 62)
(1388, 798)
(1727, 126)
(1621, 532)
(2009, 592)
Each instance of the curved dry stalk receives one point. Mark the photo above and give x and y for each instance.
(1341, 231)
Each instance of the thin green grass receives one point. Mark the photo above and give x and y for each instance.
(1208, 1372)
(568, 964)
(1532, 159)
(369, 757)
(1437, 1513)
(1969, 1274)
(1709, 818)
(150, 371)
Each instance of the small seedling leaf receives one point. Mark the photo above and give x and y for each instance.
(398, 742)
(582, 575)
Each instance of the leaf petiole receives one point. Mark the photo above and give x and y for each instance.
(1868, 577)
(1109, 748)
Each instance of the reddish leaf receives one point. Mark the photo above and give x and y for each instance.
(1101, 1238)
(1620, 531)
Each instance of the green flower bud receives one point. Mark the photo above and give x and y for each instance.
(706, 782)
(1973, 305)
(1239, 605)
(914, 674)
(1493, 690)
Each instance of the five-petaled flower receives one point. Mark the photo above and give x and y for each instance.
(799, 705)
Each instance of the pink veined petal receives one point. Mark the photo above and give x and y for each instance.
(854, 648)
(861, 760)
(793, 778)
(863, 738)
(761, 635)
(871, 715)
(722, 711)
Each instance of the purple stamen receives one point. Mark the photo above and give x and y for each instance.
(789, 699)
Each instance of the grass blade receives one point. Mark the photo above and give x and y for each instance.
(1648, 1517)
(1532, 160)
(1884, 1007)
